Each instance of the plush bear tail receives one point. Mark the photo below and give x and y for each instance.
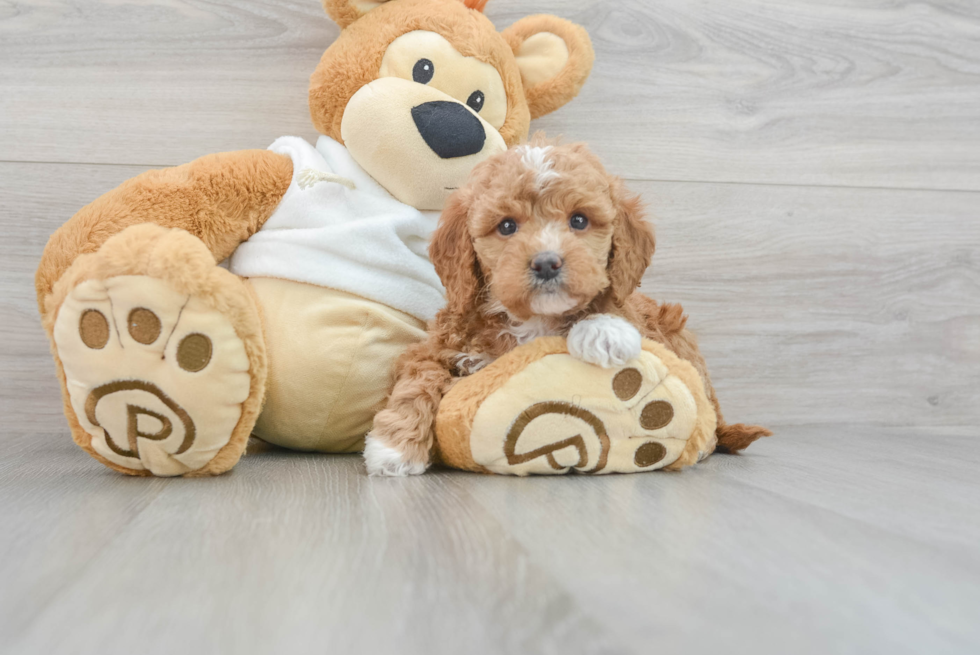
(737, 436)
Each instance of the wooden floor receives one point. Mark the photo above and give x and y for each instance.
(814, 171)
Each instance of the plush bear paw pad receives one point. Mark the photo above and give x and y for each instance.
(156, 378)
(585, 419)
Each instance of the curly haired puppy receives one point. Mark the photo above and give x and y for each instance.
(541, 241)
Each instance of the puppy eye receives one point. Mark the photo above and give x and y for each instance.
(475, 101)
(423, 71)
(507, 227)
(578, 222)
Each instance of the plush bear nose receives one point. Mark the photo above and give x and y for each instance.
(449, 128)
(546, 265)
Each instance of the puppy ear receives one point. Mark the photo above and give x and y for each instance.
(633, 244)
(345, 12)
(555, 58)
(451, 252)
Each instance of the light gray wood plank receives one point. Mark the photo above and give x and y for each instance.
(911, 482)
(846, 318)
(53, 530)
(737, 556)
(289, 551)
(819, 305)
(873, 93)
(745, 554)
(157, 83)
(37, 199)
(860, 94)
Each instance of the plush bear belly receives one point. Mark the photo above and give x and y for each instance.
(331, 357)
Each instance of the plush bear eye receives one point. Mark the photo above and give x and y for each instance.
(423, 71)
(578, 222)
(475, 101)
(507, 227)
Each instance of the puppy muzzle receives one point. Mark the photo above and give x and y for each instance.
(546, 266)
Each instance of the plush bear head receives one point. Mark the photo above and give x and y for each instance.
(420, 91)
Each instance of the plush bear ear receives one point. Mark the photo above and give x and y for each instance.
(345, 12)
(555, 58)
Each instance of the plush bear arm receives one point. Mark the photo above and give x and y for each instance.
(222, 199)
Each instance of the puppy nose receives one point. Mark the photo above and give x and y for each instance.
(449, 128)
(546, 265)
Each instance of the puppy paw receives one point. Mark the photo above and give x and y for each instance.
(382, 460)
(605, 340)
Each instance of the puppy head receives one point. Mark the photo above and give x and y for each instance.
(544, 230)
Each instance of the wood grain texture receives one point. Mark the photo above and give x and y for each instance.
(879, 93)
(817, 304)
(813, 172)
(875, 93)
(37, 199)
(309, 548)
(742, 554)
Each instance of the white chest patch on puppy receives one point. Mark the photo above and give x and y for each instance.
(604, 340)
(524, 331)
(531, 329)
(535, 158)
(552, 304)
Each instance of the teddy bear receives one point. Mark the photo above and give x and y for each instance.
(268, 292)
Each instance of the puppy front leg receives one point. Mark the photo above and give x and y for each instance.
(401, 440)
(605, 340)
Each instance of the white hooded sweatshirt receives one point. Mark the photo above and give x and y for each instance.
(358, 240)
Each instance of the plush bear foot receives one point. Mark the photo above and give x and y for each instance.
(162, 355)
(538, 410)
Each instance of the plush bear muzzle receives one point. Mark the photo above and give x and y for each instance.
(418, 142)
(449, 129)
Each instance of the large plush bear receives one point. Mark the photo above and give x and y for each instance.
(268, 292)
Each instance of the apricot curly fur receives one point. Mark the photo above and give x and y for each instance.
(482, 313)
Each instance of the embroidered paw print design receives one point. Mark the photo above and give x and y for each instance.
(156, 378)
(593, 420)
(586, 451)
(662, 430)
